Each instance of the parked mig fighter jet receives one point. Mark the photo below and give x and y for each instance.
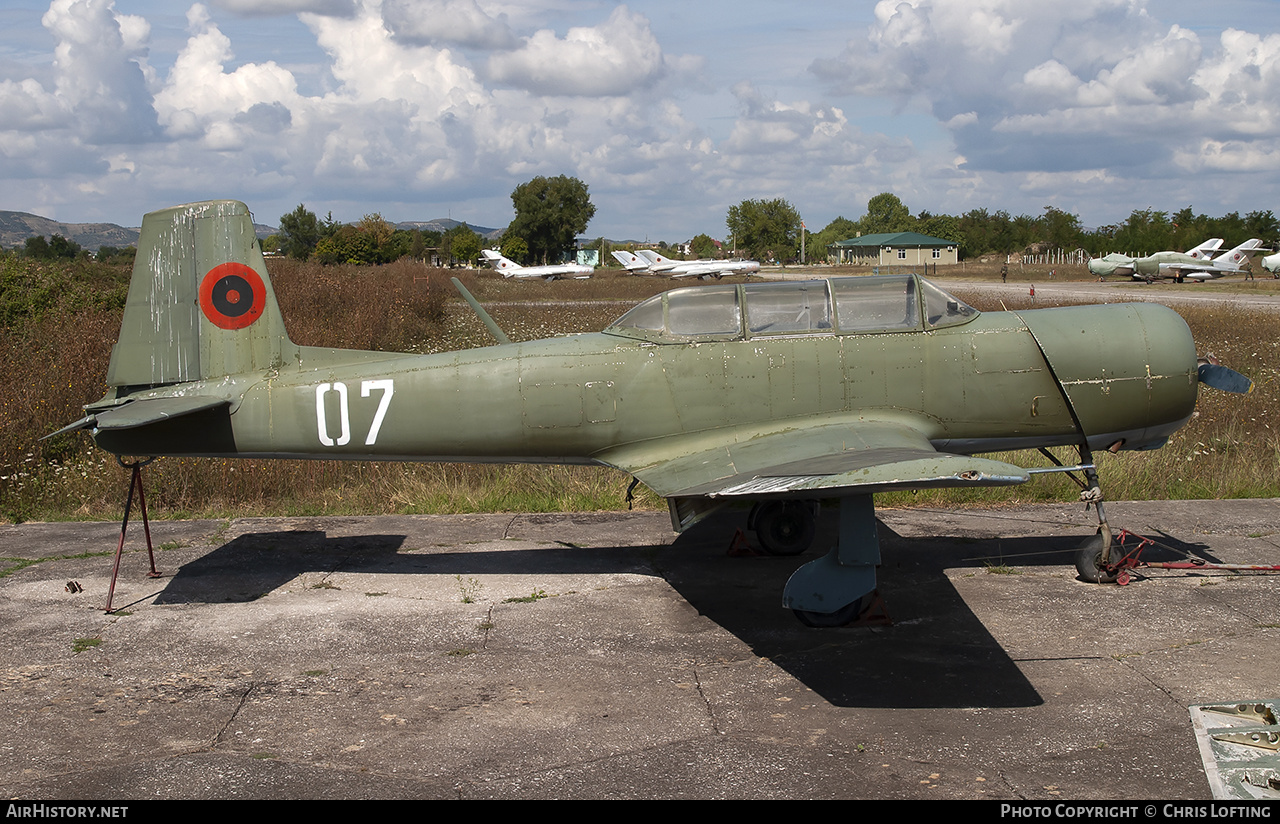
(649, 262)
(1147, 268)
(511, 269)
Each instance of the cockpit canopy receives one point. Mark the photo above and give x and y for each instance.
(836, 306)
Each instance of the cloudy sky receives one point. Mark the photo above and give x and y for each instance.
(670, 110)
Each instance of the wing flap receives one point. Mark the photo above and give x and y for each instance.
(936, 470)
(801, 461)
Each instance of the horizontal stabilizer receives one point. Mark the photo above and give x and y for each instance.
(142, 412)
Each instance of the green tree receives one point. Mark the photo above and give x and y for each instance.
(36, 247)
(1262, 225)
(346, 245)
(62, 248)
(514, 248)
(329, 226)
(111, 254)
(399, 245)
(1061, 229)
(1147, 231)
(946, 227)
(550, 214)
(300, 232)
(819, 245)
(377, 227)
(886, 213)
(464, 244)
(765, 228)
(56, 247)
(1189, 229)
(703, 247)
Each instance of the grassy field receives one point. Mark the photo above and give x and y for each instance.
(59, 325)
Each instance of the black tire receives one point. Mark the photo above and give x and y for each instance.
(1089, 562)
(826, 620)
(785, 527)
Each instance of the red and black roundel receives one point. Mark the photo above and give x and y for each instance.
(232, 296)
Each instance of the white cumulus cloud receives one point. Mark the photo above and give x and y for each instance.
(617, 57)
(447, 22)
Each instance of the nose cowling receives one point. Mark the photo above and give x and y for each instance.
(1128, 370)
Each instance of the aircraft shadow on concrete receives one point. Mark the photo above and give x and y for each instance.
(252, 565)
(937, 653)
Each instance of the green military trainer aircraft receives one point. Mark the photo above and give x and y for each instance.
(779, 395)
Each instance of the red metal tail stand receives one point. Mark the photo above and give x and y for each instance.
(134, 483)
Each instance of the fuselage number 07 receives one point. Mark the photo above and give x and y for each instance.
(344, 412)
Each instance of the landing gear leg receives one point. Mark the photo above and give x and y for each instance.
(1093, 558)
(829, 592)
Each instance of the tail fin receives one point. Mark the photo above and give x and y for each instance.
(629, 261)
(1242, 254)
(654, 258)
(1205, 250)
(501, 264)
(200, 303)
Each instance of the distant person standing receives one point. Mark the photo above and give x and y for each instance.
(1004, 273)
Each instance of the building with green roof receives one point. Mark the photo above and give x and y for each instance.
(896, 249)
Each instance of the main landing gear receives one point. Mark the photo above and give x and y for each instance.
(784, 527)
(837, 588)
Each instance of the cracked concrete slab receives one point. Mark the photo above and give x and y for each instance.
(599, 655)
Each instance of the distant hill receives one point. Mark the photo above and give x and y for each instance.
(16, 227)
(444, 224)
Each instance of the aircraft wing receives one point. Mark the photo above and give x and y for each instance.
(824, 459)
(1205, 271)
(1187, 268)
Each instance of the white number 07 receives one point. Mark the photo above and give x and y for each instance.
(344, 415)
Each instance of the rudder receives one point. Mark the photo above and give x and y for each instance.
(200, 302)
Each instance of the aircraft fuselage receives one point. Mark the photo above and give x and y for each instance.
(1128, 371)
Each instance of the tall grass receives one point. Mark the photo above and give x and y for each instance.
(55, 348)
(56, 338)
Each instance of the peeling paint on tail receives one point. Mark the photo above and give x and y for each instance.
(200, 303)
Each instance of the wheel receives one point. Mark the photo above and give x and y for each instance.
(785, 527)
(825, 620)
(1089, 562)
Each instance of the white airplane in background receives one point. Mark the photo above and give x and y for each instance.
(511, 269)
(697, 268)
(650, 262)
(1272, 264)
(1228, 263)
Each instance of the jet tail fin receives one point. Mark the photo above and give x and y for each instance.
(501, 264)
(630, 261)
(1207, 249)
(200, 302)
(1240, 255)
